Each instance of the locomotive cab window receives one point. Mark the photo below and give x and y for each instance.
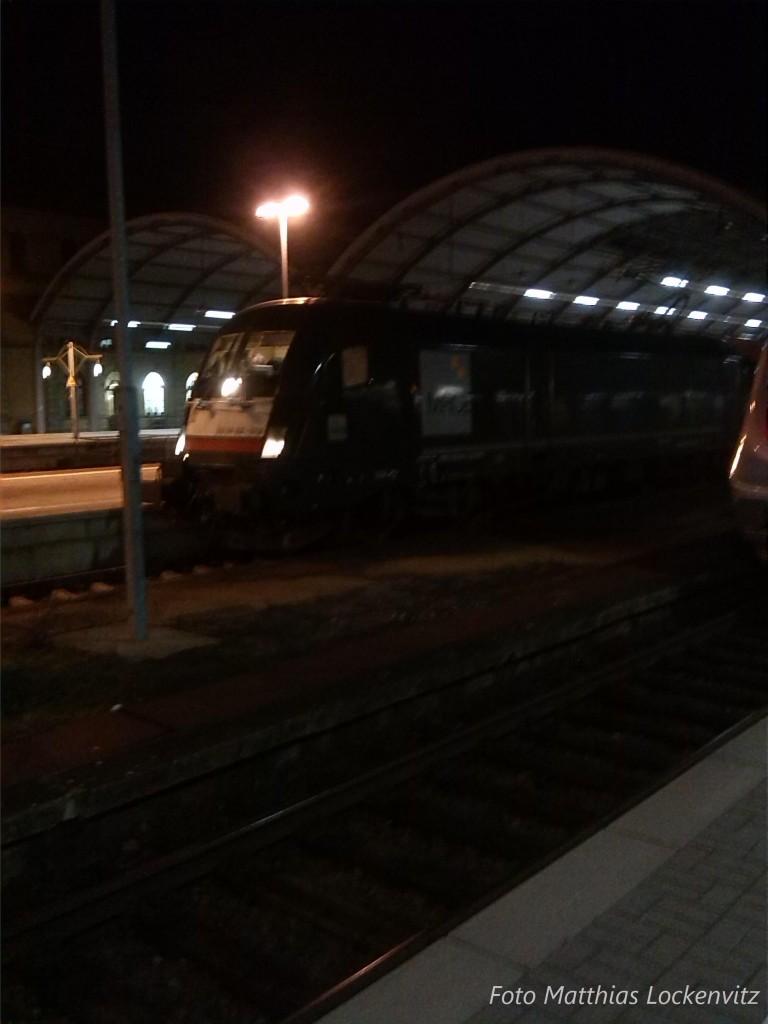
(247, 364)
(265, 351)
(222, 356)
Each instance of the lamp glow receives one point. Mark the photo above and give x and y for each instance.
(71, 357)
(291, 206)
(268, 210)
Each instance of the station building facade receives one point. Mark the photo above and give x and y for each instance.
(35, 246)
(187, 274)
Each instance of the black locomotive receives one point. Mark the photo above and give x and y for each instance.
(305, 409)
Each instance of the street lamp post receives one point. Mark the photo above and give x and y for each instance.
(293, 206)
(71, 357)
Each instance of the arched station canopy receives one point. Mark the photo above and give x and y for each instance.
(574, 235)
(180, 266)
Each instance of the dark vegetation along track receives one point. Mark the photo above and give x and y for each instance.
(274, 923)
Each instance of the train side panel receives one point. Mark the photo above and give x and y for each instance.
(373, 402)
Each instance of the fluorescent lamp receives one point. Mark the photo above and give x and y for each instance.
(486, 286)
(158, 344)
(134, 323)
(218, 314)
(697, 314)
(631, 306)
(753, 297)
(181, 327)
(675, 282)
(753, 323)
(537, 293)
(716, 289)
(586, 300)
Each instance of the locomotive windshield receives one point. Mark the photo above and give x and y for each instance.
(246, 364)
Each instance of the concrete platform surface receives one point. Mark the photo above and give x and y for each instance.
(659, 917)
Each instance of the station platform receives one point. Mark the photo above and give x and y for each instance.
(36, 453)
(661, 916)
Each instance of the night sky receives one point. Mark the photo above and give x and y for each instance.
(359, 104)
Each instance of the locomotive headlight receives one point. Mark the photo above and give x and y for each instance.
(230, 386)
(274, 444)
(181, 443)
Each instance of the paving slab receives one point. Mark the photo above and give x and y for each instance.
(608, 933)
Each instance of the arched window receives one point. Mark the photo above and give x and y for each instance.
(190, 384)
(111, 384)
(153, 390)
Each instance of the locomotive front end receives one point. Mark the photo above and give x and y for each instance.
(226, 455)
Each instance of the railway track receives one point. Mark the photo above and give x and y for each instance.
(282, 916)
